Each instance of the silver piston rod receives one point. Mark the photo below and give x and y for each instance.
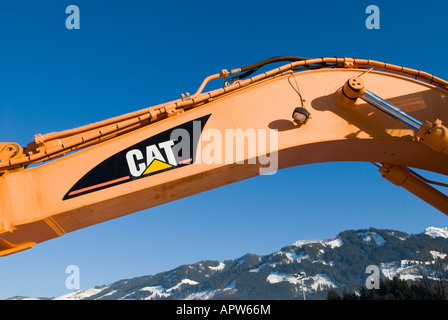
(392, 110)
(354, 89)
(433, 134)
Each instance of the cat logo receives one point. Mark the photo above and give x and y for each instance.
(167, 150)
(155, 160)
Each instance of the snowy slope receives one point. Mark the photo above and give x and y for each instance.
(437, 232)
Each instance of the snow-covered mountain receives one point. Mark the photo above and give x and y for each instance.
(437, 232)
(339, 263)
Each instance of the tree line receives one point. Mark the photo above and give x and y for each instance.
(397, 289)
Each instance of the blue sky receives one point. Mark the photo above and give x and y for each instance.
(128, 55)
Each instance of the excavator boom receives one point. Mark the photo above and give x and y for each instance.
(306, 111)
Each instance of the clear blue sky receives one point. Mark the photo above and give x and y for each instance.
(133, 54)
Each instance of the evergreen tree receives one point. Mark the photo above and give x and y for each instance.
(333, 295)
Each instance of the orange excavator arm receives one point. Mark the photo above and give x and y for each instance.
(306, 111)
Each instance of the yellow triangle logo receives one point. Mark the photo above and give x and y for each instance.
(156, 165)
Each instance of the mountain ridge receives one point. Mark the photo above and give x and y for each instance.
(337, 263)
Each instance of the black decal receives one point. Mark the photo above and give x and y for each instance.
(167, 150)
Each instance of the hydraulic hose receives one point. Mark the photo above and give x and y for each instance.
(258, 65)
(251, 68)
